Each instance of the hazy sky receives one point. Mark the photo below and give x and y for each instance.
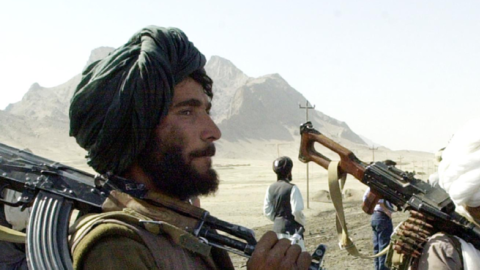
(405, 74)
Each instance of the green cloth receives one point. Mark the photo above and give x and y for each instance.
(95, 251)
(121, 98)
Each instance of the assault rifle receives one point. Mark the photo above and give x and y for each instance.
(57, 192)
(392, 184)
(53, 190)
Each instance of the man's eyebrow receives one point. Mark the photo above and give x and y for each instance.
(192, 102)
(189, 102)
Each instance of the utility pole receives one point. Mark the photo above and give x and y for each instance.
(278, 147)
(306, 108)
(373, 152)
(400, 162)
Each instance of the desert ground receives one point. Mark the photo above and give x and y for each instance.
(245, 171)
(240, 201)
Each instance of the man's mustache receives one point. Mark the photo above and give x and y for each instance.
(205, 152)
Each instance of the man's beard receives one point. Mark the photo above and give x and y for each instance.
(172, 175)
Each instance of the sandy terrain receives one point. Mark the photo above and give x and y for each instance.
(244, 181)
(240, 201)
(245, 172)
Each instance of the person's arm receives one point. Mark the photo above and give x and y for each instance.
(112, 247)
(268, 207)
(296, 202)
(118, 253)
(440, 253)
(367, 191)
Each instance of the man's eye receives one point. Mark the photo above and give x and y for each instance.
(186, 112)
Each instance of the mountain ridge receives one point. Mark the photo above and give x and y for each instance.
(261, 110)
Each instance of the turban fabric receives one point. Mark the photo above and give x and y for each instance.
(122, 98)
(459, 170)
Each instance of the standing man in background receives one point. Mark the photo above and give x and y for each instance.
(284, 203)
(382, 228)
(381, 222)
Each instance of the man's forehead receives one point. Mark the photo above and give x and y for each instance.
(190, 90)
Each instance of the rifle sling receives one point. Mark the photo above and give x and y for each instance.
(11, 235)
(336, 185)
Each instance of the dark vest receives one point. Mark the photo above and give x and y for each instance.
(284, 220)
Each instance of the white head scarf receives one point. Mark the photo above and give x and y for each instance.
(459, 175)
(459, 170)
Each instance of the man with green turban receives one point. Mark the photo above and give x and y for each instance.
(142, 113)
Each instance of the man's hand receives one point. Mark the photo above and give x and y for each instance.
(271, 253)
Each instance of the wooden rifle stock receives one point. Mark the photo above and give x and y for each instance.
(369, 202)
(349, 163)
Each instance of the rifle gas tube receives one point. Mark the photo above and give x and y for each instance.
(392, 184)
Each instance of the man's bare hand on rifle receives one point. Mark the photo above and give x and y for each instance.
(275, 254)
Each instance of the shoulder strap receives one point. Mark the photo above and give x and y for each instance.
(11, 235)
(336, 185)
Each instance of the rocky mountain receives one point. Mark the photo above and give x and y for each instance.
(247, 110)
(264, 108)
(41, 103)
(227, 79)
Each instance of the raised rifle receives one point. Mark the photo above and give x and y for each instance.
(392, 184)
(56, 191)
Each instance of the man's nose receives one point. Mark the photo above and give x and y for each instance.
(211, 132)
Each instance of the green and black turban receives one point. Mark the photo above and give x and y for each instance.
(121, 98)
